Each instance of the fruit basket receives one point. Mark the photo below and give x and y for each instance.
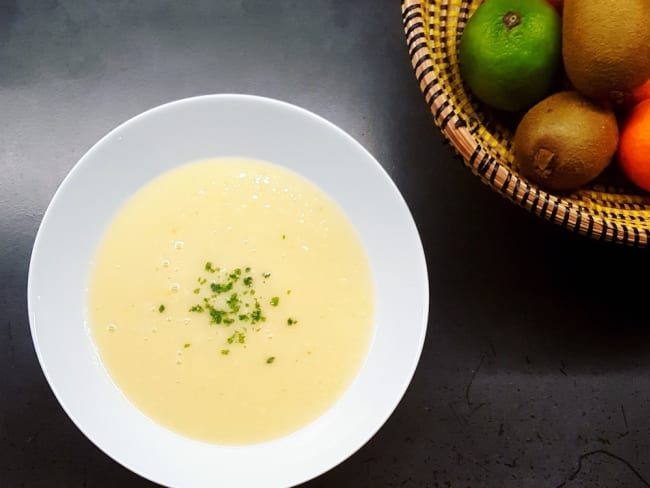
(608, 209)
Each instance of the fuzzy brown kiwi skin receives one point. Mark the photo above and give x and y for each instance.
(565, 141)
(606, 45)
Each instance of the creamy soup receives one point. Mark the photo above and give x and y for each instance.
(231, 301)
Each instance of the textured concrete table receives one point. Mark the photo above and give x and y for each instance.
(536, 368)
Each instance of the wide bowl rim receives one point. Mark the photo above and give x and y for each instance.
(422, 276)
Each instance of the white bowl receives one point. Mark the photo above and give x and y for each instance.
(199, 128)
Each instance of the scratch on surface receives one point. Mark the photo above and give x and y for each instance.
(471, 381)
(476, 409)
(563, 368)
(462, 421)
(604, 453)
(484, 468)
(406, 481)
(627, 428)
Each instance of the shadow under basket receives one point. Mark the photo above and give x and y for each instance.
(609, 209)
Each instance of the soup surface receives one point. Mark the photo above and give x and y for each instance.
(231, 301)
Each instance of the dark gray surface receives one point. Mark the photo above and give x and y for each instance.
(535, 368)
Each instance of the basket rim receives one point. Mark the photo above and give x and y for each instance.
(499, 177)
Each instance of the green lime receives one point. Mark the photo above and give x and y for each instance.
(510, 53)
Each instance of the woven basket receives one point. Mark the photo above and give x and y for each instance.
(610, 209)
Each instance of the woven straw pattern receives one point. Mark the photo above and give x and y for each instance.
(609, 209)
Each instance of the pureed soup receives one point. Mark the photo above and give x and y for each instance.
(231, 301)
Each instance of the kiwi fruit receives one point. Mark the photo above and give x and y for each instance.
(606, 45)
(565, 141)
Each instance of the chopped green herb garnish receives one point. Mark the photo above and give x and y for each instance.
(256, 314)
(227, 297)
(216, 315)
(237, 337)
(284, 236)
(161, 308)
(270, 360)
(221, 287)
(234, 303)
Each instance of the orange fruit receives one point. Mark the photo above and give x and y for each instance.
(634, 145)
(642, 92)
